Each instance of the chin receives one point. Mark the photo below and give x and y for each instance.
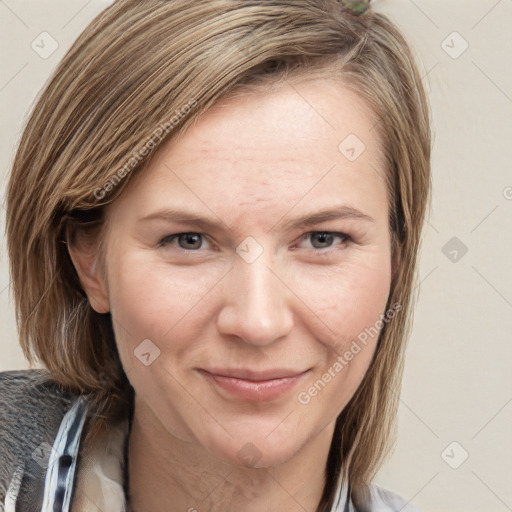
(254, 447)
(254, 454)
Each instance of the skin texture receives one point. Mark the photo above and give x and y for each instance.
(252, 166)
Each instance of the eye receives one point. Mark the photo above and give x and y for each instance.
(326, 239)
(187, 241)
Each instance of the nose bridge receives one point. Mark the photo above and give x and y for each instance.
(259, 285)
(256, 307)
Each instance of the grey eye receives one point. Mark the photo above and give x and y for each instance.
(320, 240)
(190, 241)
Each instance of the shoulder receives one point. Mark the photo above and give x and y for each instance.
(30, 396)
(383, 500)
(31, 410)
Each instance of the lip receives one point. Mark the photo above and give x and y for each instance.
(257, 386)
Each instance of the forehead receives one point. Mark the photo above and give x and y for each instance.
(285, 122)
(271, 147)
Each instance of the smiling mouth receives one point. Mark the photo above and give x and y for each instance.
(252, 385)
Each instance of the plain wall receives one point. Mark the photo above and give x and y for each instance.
(457, 385)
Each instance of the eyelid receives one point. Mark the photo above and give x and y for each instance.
(339, 234)
(169, 239)
(346, 239)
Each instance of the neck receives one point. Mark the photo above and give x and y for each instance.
(169, 474)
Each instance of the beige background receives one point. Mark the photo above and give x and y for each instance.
(458, 384)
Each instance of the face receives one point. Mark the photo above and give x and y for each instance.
(245, 262)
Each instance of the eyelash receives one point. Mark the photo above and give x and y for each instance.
(346, 239)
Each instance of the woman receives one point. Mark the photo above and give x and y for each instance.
(213, 222)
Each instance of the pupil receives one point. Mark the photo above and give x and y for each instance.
(190, 241)
(322, 240)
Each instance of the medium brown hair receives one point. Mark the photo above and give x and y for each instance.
(142, 72)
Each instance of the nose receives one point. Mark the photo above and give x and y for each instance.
(256, 304)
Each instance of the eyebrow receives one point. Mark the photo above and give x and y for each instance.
(183, 217)
(310, 219)
(336, 213)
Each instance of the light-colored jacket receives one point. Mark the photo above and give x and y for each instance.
(44, 468)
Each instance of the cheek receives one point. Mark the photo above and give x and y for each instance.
(349, 299)
(150, 299)
(350, 304)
